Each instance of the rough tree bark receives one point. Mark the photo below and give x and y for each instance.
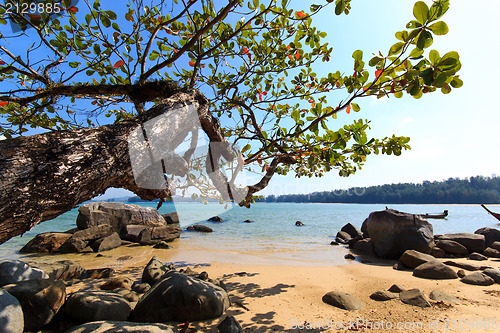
(45, 175)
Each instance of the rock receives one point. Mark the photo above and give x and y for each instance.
(132, 297)
(396, 288)
(117, 282)
(349, 257)
(492, 253)
(80, 239)
(463, 265)
(171, 218)
(46, 242)
(334, 243)
(11, 314)
(342, 237)
(473, 242)
(491, 235)
(434, 270)
(122, 326)
(394, 232)
(414, 297)
(181, 298)
(352, 242)
(162, 245)
(478, 279)
(229, 325)
(399, 266)
(131, 232)
(477, 256)
(154, 271)
(141, 288)
(60, 270)
(117, 215)
(298, 223)
(73, 245)
(13, 271)
(496, 246)
(412, 258)
(215, 219)
(436, 252)
(342, 300)
(88, 306)
(107, 243)
(40, 300)
(97, 273)
(247, 221)
(441, 296)
(461, 273)
(199, 227)
(453, 247)
(153, 235)
(352, 230)
(364, 247)
(493, 273)
(383, 295)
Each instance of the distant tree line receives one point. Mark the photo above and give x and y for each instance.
(473, 190)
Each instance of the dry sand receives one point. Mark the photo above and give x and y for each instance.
(279, 298)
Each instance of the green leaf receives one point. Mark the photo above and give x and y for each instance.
(374, 61)
(456, 82)
(111, 14)
(74, 64)
(427, 75)
(97, 49)
(340, 7)
(421, 12)
(246, 148)
(424, 40)
(355, 107)
(358, 55)
(439, 28)
(116, 26)
(434, 57)
(396, 48)
(105, 21)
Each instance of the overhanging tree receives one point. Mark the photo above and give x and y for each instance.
(246, 65)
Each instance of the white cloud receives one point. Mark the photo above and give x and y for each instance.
(405, 121)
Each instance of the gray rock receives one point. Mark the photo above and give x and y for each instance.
(383, 295)
(473, 242)
(11, 314)
(342, 300)
(153, 235)
(181, 298)
(352, 230)
(117, 215)
(441, 296)
(60, 270)
(131, 232)
(477, 256)
(364, 247)
(88, 306)
(72, 245)
(414, 297)
(13, 271)
(496, 246)
(394, 232)
(154, 271)
(162, 245)
(396, 288)
(141, 288)
(478, 279)
(131, 297)
(122, 327)
(413, 258)
(434, 270)
(46, 242)
(107, 243)
(215, 219)
(436, 252)
(452, 247)
(491, 235)
(492, 253)
(399, 266)
(342, 237)
(493, 273)
(463, 265)
(199, 227)
(80, 239)
(40, 300)
(97, 273)
(461, 273)
(171, 218)
(229, 325)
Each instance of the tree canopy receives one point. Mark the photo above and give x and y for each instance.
(250, 59)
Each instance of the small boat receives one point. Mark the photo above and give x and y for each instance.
(496, 215)
(435, 216)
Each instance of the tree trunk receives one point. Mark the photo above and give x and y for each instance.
(45, 175)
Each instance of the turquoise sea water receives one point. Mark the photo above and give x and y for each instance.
(273, 235)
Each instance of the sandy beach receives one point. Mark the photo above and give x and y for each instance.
(284, 297)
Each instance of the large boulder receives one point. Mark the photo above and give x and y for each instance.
(493, 273)
(45, 242)
(13, 271)
(452, 247)
(491, 235)
(478, 279)
(200, 228)
(107, 243)
(364, 247)
(352, 230)
(117, 215)
(88, 306)
(11, 314)
(82, 238)
(434, 270)
(40, 300)
(473, 242)
(491, 252)
(153, 235)
(394, 232)
(181, 298)
(154, 271)
(171, 218)
(342, 300)
(412, 258)
(59, 270)
(122, 326)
